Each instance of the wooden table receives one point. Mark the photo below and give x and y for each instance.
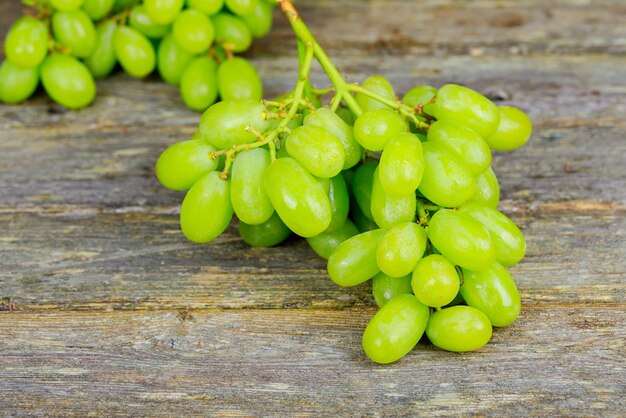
(107, 309)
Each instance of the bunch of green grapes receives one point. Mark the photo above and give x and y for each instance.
(400, 193)
(65, 44)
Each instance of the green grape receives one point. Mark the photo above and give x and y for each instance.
(463, 142)
(224, 124)
(362, 222)
(401, 165)
(373, 129)
(172, 60)
(206, 210)
(208, 7)
(232, 32)
(103, 60)
(17, 84)
(238, 79)
(268, 234)
(508, 240)
(183, 163)
(435, 281)
(163, 12)
(241, 7)
(459, 329)
(325, 243)
(395, 329)
(259, 21)
(446, 180)
(400, 249)
(67, 81)
(198, 84)
(26, 44)
(459, 104)
(346, 115)
(461, 239)
(318, 150)
(379, 85)
(388, 211)
(139, 19)
(75, 30)
(193, 31)
(339, 202)
(247, 193)
(66, 5)
(385, 288)
(487, 189)
(494, 293)
(419, 95)
(513, 131)
(328, 120)
(354, 260)
(97, 9)
(298, 198)
(134, 52)
(362, 182)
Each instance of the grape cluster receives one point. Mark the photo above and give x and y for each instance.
(65, 44)
(400, 192)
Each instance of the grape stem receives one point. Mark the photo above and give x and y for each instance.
(422, 213)
(303, 33)
(297, 100)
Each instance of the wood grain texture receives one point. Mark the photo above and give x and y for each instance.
(105, 309)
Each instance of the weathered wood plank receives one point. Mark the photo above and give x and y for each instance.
(554, 360)
(136, 261)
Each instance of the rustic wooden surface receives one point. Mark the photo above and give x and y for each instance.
(106, 309)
